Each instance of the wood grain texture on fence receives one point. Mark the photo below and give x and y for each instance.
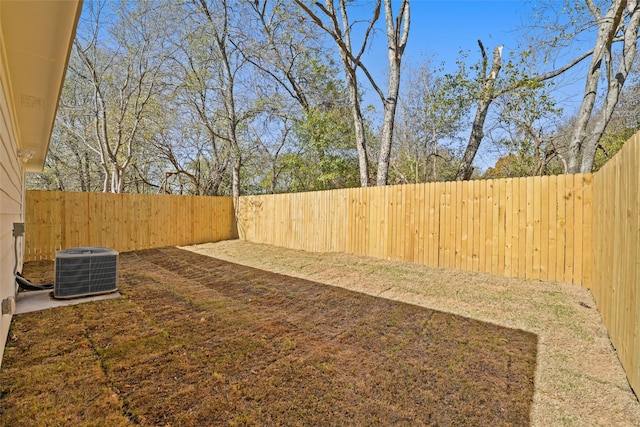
(124, 222)
(515, 227)
(616, 252)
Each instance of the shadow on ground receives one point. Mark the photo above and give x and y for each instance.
(200, 341)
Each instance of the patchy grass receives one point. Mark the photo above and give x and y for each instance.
(201, 341)
(578, 380)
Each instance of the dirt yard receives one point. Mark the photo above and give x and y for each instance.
(283, 340)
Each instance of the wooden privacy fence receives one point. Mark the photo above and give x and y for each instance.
(616, 230)
(124, 222)
(538, 228)
(582, 229)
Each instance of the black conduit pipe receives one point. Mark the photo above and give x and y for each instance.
(23, 283)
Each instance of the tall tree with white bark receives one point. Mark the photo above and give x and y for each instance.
(620, 22)
(217, 17)
(397, 36)
(337, 24)
(124, 76)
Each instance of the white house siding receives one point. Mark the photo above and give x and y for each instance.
(12, 190)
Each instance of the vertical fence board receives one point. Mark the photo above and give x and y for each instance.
(444, 223)
(537, 227)
(482, 219)
(375, 239)
(495, 233)
(553, 224)
(407, 207)
(587, 231)
(522, 228)
(434, 225)
(508, 234)
(577, 236)
(353, 212)
(463, 237)
(476, 226)
(571, 225)
(561, 222)
(488, 211)
(452, 202)
(427, 223)
(544, 228)
(420, 229)
(458, 201)
(502, 197)
(515, 226)
(529, 231)
(469, 222)
(634, 274)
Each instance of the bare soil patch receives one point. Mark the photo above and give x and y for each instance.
(197, 340)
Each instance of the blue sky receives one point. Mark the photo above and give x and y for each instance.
(440, 29)
(443, 27)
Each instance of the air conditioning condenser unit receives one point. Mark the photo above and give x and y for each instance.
(85, 271)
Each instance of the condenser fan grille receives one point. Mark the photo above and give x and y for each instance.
(85, 271)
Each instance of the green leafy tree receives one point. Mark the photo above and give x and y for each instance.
(432, 114)
(325, 158)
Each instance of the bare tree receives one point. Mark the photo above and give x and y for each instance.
(195, 143)
(217, 18)
(397, 30)
(397, 36)
(488, 88)
(124, 77)
(621, 21)
(339, 28)
(279, 47)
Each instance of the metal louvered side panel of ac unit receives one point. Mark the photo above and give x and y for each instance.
(85, 271)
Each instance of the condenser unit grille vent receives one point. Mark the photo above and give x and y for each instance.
(85, 271)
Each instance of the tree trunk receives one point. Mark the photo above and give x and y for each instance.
(386, 141)
(359, 128)
(235, 178)
(396, 42)
(107, 177)
(465, 169)
(583, 145)
(614, 88)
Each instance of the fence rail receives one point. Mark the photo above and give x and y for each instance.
(520, 227)
(124, 222)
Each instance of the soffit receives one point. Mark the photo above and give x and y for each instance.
(37, 38)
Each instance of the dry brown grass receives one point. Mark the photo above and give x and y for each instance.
(579, 380)
(198, 342)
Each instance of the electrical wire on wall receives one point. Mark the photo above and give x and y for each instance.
(21, 282)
